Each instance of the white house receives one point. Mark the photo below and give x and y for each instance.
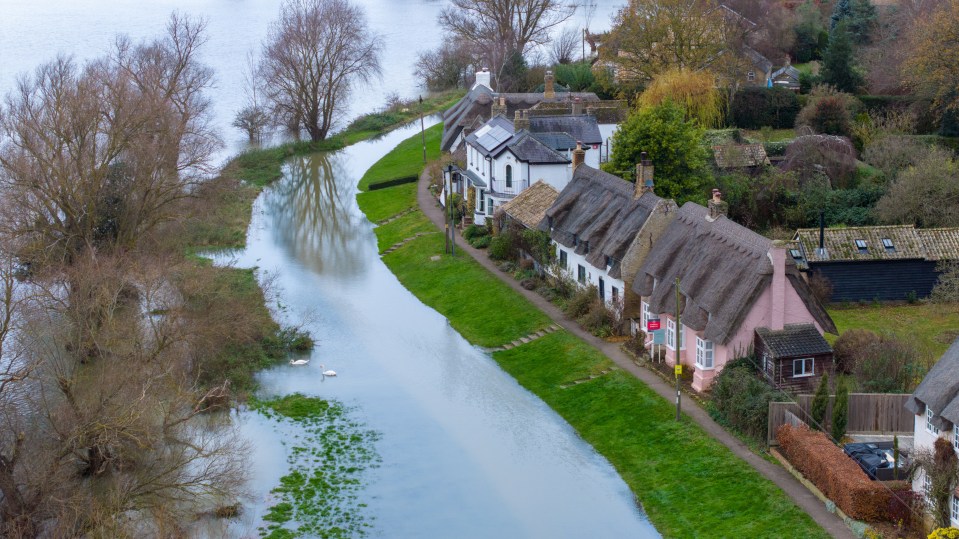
(935, 404)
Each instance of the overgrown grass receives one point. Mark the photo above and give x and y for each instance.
(932, 326)
(775, 135)
(329, 455)
(689, 484)
(384, 203)
(480, 306)
(405, 160)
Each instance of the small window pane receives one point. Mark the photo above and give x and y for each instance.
(795, 253)
(861, 244)
(887, 243)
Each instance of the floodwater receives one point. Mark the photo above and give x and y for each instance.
(36, 31)
(466, 451)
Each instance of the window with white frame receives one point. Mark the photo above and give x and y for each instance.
(704, 353)
(929, 426)
(804, 367)
(955, 436)
(954, 511)
(562, 260)
(926, 485)
(671, 335)
(750, 75)
(646, 316)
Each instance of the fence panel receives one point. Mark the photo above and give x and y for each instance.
(869, 413)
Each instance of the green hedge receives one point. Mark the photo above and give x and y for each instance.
(393, 183)
(754, 108)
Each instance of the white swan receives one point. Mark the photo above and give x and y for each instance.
(300, 361)
(327, 372)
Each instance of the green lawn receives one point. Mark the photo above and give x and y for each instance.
(481, 307)
(933, 326)
(405, 160)
(688, 483)
(402, 228)
(384, 203)
(775, 135)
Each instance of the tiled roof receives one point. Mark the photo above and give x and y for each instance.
(905, 242)
(556, 141)
(794, 340)
(788, 71)
(740, 155)
(530, 206)
(582, 128)
(526, 148)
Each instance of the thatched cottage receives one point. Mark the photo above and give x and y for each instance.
(732, 281)
(603, 227)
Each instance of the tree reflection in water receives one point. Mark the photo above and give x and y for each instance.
(314, 215)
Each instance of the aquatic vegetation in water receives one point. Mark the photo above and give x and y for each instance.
(328, 458)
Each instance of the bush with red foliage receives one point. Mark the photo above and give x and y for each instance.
(838, 476)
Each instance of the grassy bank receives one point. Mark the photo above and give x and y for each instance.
(690, 484)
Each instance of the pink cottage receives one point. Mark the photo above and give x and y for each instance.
(732, 281)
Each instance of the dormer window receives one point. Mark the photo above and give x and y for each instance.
(888, 245)
(861, 245)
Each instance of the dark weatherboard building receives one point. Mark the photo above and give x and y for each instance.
(867, 263)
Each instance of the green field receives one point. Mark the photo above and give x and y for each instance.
(689, 484)
(384, 203)
(931, 326)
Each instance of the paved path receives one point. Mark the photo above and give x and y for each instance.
(793, 488)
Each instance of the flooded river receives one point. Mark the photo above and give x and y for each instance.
(466, 451)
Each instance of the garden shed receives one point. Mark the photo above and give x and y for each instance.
(793, 358)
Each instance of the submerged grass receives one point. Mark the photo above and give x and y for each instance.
(690, 484)
(319, 496)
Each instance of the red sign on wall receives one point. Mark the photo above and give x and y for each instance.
(653, 324)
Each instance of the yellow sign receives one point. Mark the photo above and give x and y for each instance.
(679, 370)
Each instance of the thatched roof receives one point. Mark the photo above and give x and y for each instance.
(478, 103)
(794, 340)
(597, 216)
(740, 155)
(905, 242)
(939, 390)
(529, 207)
(723, 268)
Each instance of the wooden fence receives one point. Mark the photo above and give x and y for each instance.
(869, 413)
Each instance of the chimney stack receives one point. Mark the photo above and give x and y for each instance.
(577, 107)
(499, 107)
(483, 77)
(549, 92)
(717, 207)
(579, 155)
(521, 120)
(644, 176)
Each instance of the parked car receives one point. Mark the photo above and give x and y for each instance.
(877, 459)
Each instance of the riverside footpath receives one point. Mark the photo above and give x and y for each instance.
(808, 502)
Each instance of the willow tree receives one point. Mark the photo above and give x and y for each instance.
(315, 56)
(933, 65)
(693, 91)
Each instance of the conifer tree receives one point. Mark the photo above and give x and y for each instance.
(838, 66)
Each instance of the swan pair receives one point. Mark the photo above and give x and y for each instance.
(327, 372)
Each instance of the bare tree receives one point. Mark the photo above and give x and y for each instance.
(565, 45)
(316, 54)
(447, 66)
(500, 28)
(95, 156)
(252, 118)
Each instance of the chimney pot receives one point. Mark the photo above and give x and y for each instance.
(483, 78)
(717, 207)
(579, 155)
(521, 120)
(549, 92)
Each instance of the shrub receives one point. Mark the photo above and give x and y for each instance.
(754, 108)
(944, 533)
(891, 365)
(947, 287)
(580, 302)
(503, 246)
(848, 348)
(742, 400)
(834, 473)
(475, 231)
(811, 156)
(820, 402)
(829, 116)
(480, 242)
(941, 467)
(537, 243)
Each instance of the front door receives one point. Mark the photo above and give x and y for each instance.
(602, 289)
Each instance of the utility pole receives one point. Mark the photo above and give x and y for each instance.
(451, 225)
(423, 130)
(679, 366)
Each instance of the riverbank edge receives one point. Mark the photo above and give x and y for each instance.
(587, 394)
(220, 216)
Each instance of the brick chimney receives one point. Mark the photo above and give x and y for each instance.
(717, 206)
(777, 298)
(521, 120)
(499, 107)
(483, 78)
(549, 92)
(644, 176)
(579, 155)
(577, 107)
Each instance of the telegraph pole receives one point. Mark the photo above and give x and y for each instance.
(679, 366)
(451, 227)
(422, 130)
